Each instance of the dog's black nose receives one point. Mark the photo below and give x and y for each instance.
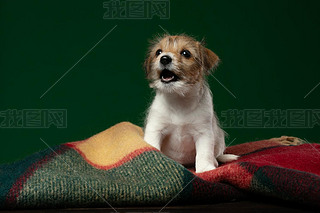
(165, 60)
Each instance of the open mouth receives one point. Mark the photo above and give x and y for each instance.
(167, 76)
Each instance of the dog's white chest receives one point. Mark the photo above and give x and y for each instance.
(178, 143)
(180, 121)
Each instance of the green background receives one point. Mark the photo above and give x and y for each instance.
(269, 51)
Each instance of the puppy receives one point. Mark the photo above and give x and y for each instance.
(181, 121)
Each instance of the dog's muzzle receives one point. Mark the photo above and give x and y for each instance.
(168, 76)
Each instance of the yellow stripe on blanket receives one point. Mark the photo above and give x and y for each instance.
(112, 147)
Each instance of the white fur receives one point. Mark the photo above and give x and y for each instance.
(184, 127)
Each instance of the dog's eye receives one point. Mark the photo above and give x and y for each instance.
(159, 51)
(185, 53)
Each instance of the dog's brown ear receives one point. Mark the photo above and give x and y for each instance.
(147, 65)
(209, 60)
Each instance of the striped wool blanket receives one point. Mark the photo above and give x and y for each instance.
(118, 168)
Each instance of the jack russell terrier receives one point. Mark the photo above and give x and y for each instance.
(181, 122)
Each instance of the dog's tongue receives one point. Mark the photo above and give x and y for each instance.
(167, 78)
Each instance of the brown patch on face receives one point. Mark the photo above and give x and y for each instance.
(189, 69)
(147, 66)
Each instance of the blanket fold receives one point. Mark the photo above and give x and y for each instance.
(118, 168)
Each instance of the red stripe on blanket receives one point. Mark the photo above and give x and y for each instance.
(125, 159)
(231, 173)
(304, 157)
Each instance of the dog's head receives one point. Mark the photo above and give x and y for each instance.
(177, 63)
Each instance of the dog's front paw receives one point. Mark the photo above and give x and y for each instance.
(205, 169)
(206, 166)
